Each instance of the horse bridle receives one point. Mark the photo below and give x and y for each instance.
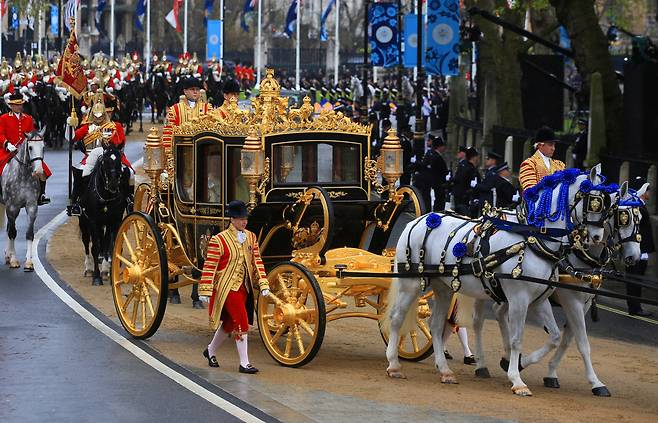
(27, 161)
(623, 219)
(115, 191)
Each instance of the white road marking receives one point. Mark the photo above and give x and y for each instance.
(623, 313)
(129, 346)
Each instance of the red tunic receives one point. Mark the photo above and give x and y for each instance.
(118, 139)
(13, 130)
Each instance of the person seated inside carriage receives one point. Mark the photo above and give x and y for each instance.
(91, 138)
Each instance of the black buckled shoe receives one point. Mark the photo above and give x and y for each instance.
(447, 354)
(197, 304)
(249, 369)
(43, 200)
(212, 360)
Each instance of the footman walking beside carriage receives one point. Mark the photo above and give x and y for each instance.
(232, 270)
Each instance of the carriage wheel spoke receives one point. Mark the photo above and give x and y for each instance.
(414, 340)
(124, 260)
(129, 298)
(307, 328)
(401, 341)
(304, 295)
(267, 317)
(129, 246)
(423, 328)
(275, 299)
(298, 337)
(150, 304)
(278, 334)
(286, 353)
(134, 316)
(151, 269)
(143, 314)
(150, 283)
(282, 284)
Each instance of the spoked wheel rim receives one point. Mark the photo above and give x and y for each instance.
(292, 319)
(417, 344)
(139, 275)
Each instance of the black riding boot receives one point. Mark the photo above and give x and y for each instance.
(75, 209)
(42, 195)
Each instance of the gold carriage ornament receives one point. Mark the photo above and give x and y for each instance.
(389, 164)
(154, 156)
(253, 165)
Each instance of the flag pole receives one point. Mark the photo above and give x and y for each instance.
(185, 29)
(297, 49)
(337, 46)
(148, 38)
(221, 36)
(259, 41)
(112, 28)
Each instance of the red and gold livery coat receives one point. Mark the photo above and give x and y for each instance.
(533, 169)
(177, 115)
(13, 129)
(118, 138)
(221, 274)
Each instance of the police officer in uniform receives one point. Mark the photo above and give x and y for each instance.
(432, 174)
(466, 178)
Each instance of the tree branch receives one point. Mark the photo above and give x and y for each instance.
(529, 43)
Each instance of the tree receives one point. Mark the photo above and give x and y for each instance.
(591, 55)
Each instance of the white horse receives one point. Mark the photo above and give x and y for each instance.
(21, 189)
(357, 88)
(575, 304)
(514, 253)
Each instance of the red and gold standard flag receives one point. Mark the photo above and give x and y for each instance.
(70, 74)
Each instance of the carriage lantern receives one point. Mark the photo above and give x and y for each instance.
(390, 163)
(154, 156)
(252, 159)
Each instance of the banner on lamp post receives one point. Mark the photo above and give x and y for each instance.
(442, 48)
(213, 43)
(383, 34)
(409, 60)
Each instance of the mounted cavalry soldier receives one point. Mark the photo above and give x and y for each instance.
(13, 127)
(233, 273)
(541, 163)
(91, 138)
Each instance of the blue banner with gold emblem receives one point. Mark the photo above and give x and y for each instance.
(442, 48)
(383, 34)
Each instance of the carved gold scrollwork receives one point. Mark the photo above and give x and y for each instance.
(370, 172)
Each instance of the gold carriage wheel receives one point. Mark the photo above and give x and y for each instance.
(417, 344)
(139, 275)
(292, 319)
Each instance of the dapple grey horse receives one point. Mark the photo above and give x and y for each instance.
(20, 190)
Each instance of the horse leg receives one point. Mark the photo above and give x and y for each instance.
(575, 311)
(442, 300)
(29, 236)
(547, 319)
(89, 261)
(404, 304)
(518, 310)
(96, 242)
(500, 311)
(478, 323)
(10, 253)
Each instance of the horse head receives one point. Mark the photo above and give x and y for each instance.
(32, 152)
(593, 207)
(624, 224)
(110, 169)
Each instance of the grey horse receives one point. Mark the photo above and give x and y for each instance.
(21, 189)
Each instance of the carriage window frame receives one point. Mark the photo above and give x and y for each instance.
(233, 174)
(276, 159)
(201, 175)
(183, 169)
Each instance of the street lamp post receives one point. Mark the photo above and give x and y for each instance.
(364, 82)
(419, 134)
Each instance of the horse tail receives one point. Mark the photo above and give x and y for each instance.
(409, 322)
(465, 307)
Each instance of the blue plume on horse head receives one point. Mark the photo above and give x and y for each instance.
(539, 198)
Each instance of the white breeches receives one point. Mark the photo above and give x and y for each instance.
(93, 157)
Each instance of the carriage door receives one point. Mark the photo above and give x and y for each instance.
(209, 191)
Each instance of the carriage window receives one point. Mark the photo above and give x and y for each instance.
(236, 188)
(335, 163)
(209, 176)
(185, 173)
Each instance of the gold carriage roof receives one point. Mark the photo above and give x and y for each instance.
(269, 114)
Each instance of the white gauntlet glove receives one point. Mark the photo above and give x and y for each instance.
(10, 147)
(93, 127)
(516, 197)
(474, 182)
(265, 292)
(448, 177)
(413, 159)
(204, 299)
(644, 256)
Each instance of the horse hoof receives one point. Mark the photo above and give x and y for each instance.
(88, 273)
(395, 374)
(601, 391)
(449, 379)
(28, 267)
(14, 264)
(97, 282)
(522, 391)
(551, 382)
(482, 373)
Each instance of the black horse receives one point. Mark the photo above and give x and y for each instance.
(158, 93)
(103, 204)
